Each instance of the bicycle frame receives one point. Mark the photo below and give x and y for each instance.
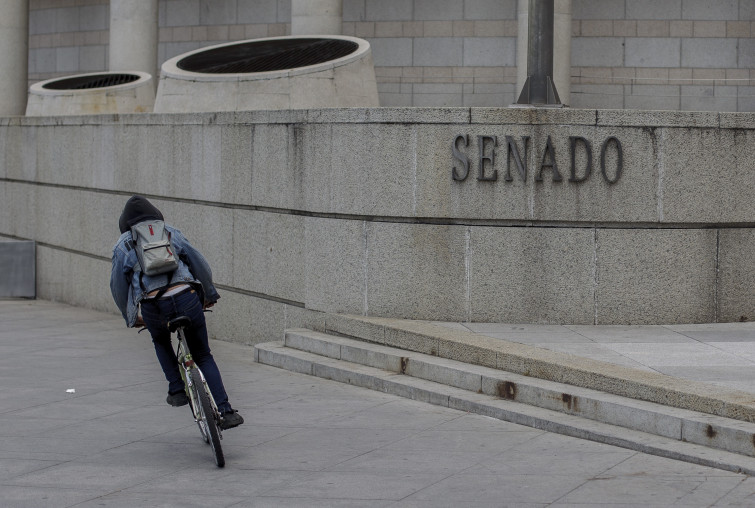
(186, 364)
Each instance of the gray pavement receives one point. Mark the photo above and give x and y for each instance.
(312, 442)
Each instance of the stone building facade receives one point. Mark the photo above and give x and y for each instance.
(634, 54)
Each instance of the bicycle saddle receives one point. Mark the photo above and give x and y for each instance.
(179, 322)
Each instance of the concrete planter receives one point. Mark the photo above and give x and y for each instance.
(270, 74)
(92, 94)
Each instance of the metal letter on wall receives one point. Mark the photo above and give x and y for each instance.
(512, 149)
(461, 157)
(549, 150)
(580, 151)
(619, 162)
(573, 140)
(481, 146)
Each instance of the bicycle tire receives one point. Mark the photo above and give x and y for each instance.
(203, 429)
(205, 418)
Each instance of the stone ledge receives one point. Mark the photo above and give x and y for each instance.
(533, 116)
(536, 362)
(737, 120)
(414, 115)
(637, 118)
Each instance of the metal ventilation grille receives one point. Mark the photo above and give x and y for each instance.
(266, 56)
(95, 81)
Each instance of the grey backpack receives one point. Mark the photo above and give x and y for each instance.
(153, 247)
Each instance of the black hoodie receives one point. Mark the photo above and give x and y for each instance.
(137, 209)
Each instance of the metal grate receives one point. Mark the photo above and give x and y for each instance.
(266, 56)
(94, 81)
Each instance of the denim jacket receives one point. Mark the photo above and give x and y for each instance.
(129, 286)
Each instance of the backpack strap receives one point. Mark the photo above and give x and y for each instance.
(131, 245)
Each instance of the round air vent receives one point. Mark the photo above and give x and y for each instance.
(295, 72)
(89, 94)
(267, 55)
(89, 81)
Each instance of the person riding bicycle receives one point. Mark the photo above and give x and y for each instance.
(186, 291)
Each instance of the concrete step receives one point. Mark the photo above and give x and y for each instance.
(531, 361)
(644, 426)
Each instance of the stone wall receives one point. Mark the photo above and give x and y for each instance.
(635, 54)
(676, 54)
(367, 211)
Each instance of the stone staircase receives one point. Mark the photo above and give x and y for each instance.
(680, 433)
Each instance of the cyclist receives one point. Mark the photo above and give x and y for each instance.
(186, 291)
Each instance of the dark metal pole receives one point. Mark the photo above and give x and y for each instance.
(539, 88)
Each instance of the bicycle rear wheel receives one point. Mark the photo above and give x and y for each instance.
(205, 418)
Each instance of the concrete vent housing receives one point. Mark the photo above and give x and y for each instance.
(294, 72)
(92, 94)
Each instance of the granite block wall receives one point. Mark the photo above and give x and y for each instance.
(457, 214)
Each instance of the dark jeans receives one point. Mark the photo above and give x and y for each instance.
(156, 314)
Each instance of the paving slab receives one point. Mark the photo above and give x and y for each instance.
(306, 441)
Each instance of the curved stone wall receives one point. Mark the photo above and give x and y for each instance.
(506, 215)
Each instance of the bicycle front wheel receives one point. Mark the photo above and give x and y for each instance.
(205, 418)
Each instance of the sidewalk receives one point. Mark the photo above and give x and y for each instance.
(311, 442)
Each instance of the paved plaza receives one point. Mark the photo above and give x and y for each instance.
(84, 423)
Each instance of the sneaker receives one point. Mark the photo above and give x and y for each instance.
(230, 419)
(177, 399)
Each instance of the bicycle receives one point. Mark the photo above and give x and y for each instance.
(201, 402)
